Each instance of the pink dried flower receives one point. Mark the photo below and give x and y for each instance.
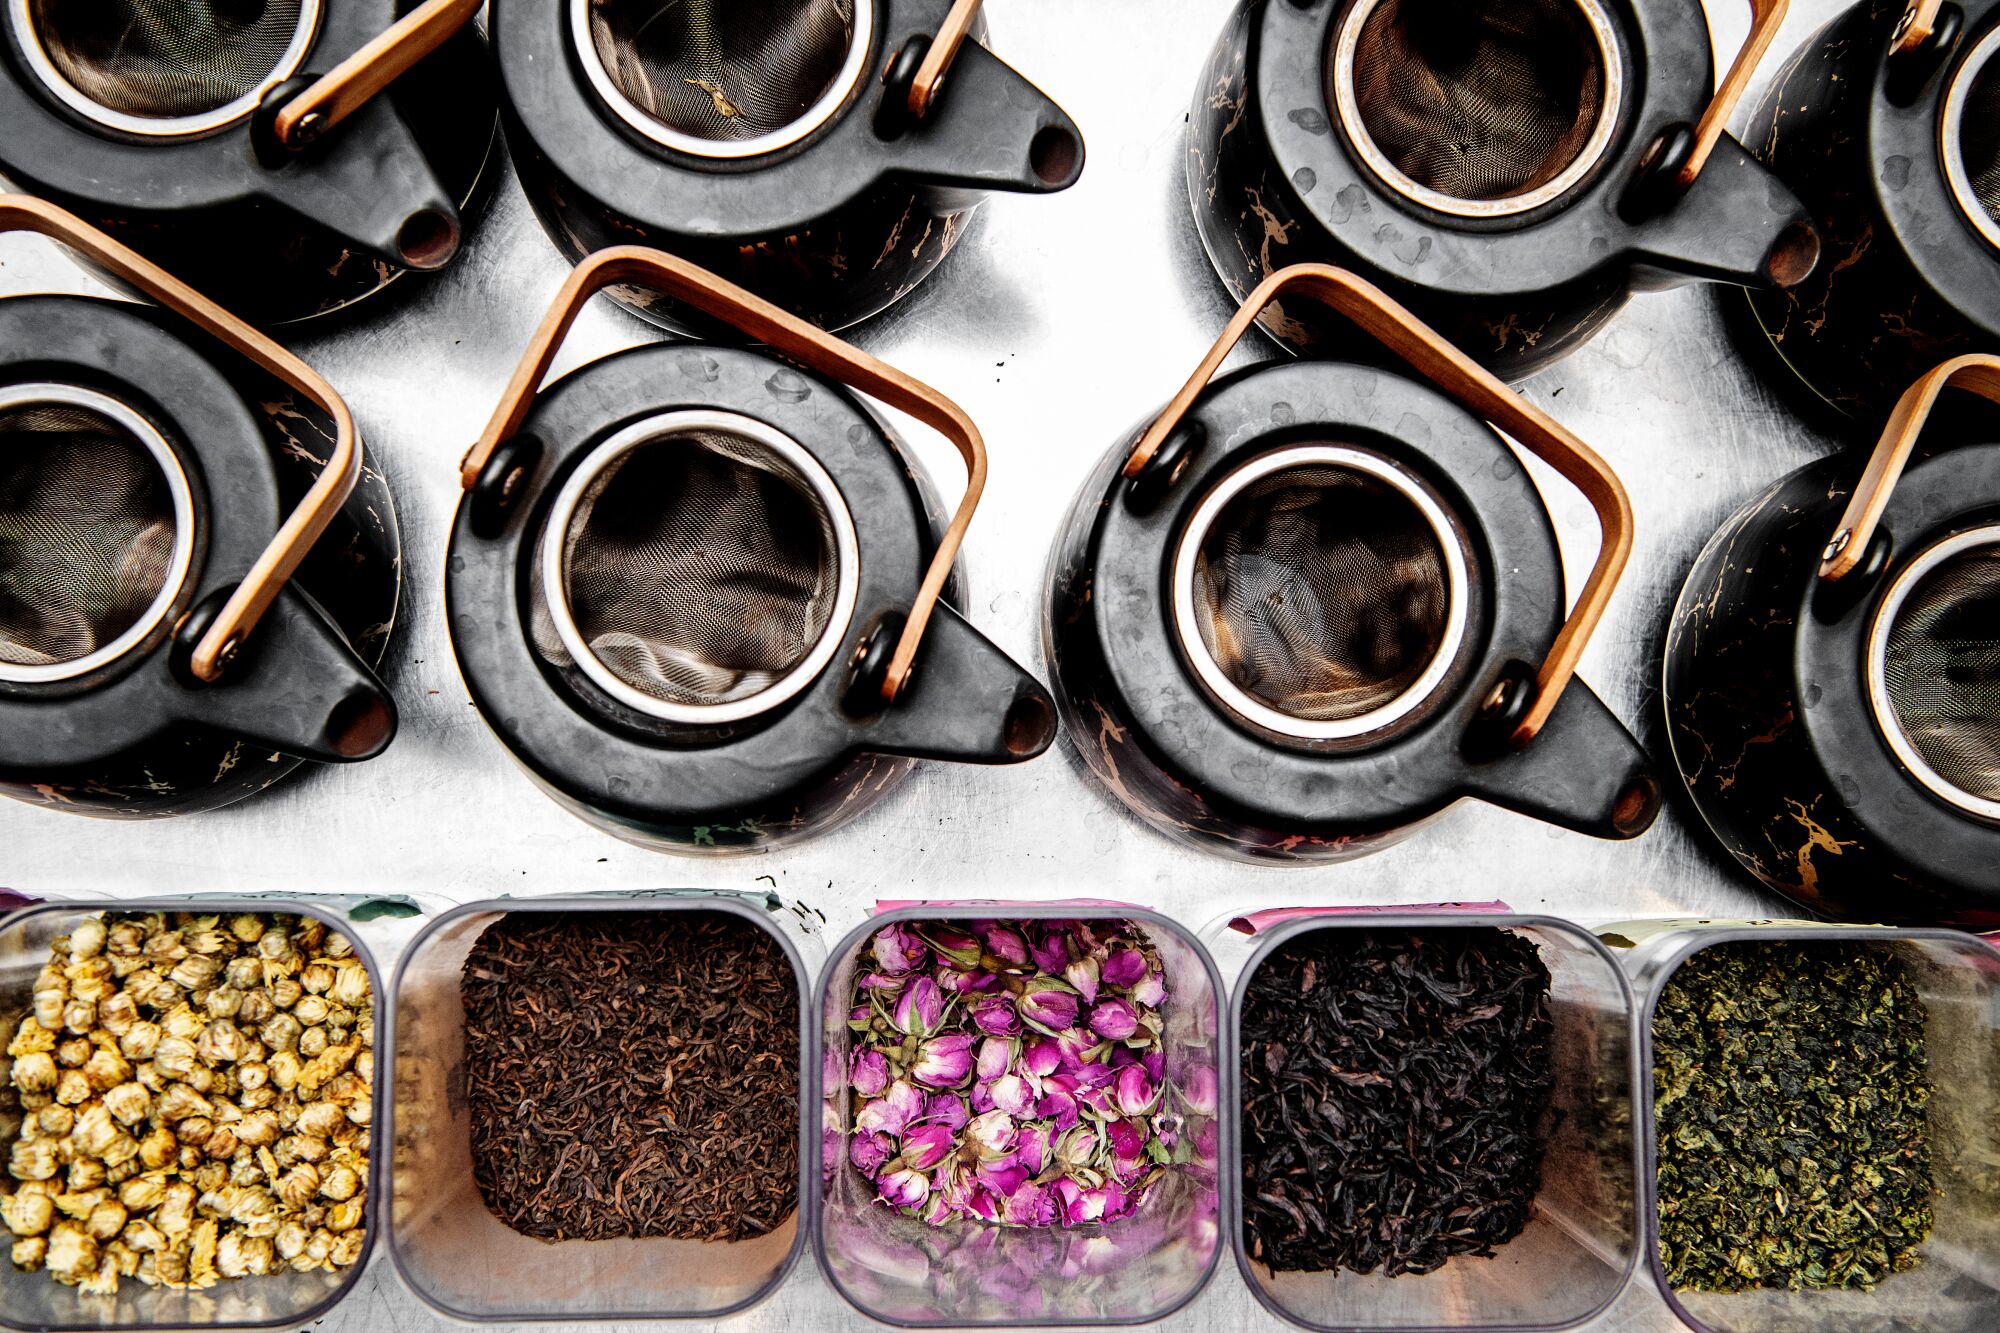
(993, 1134)
(994, 1014)
(1048, 1010)
(1041, 1056)
(1013, 1095)
(869, 1072)
(1114, 1020)
(1083, 974)
(944, 1062)
(1004, 944)
(919, 1009)
(995, 1054)
(960, 946)
(1150, 991)
(898, 950)
(927, 1145)
(869, 1151)
(1136, 1093)
(1124, 967)
(903, 1189)
(892, 1112)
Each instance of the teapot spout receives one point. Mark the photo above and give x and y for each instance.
(991, 129)
(370, 184)
(967, 702)
(1583, 771)
(1738, 223)
(300, 689)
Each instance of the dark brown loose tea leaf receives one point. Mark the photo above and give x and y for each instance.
(1790, 1095)
(1394, 1091)
(632, 1074)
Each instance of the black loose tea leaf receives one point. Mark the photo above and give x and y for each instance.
(1790, 1097)
(1395, 1086)
(632, 1074)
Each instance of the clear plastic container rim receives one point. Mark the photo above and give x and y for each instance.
(734, 903)
(1667, 952)
(1232, 1092)
(230, 905)
(998, 910)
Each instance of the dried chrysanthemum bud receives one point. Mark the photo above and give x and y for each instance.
(281, 1032)
(256, 1008)
(125, 939)
(219, 1044)
(87, 938)
(275, 943)
(175, 1057)
(298, 1185)
(341, 1183)
(142, 1237)
(258, 1128)
(179, 1102)
(35, 1072)
(223, 1002)
(129, 1103)
(311, 1010)
(194, 1129)
(208, 942)
(106, 1069)
(184, 1022)
(72, 1053)
(345, 1215)
(221, 1144)
(71, 1252)
(247, 927)
(318, 978)
(79, 1016)
(322, 1118)
(55, 1120)
(312, 1044)
(252, 1075)
(195, 971)
(105, 1221)
(286, 992)
(72, 1088)
(117, 1013)
(211, 1176)
(95, 1131)
(84, 1174)
(27, 1212)
(350, 985)
(158, 1148)
(346, 1250)
(319, 1245)
(241, 1255)
(140, 1040)
(201, 1252)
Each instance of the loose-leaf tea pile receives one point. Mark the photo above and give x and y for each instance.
(1013, 1072)
(1394, 1088)
(1790, 1098)
(633, 1074)
(189, 1100)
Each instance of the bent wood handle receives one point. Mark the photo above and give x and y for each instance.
(347, 87)
(1766, 16)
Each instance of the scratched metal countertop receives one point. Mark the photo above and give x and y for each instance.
(1057, 323)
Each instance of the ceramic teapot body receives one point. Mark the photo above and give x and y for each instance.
(1894, 154)
(147, 471)
(680, 573)
(156, 129)
(1311, 605)
(792, 179)
(1312, 139)
(1834, 734)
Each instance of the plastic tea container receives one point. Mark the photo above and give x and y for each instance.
(1580, 1245)
(909, 1273)
(282, 1299)
(467, 1263)
(1956, 1286)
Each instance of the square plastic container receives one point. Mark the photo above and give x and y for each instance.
(287, 1299)
(464, 1261)
(907, 1273)
(1580, 1246)
(1956, 1287)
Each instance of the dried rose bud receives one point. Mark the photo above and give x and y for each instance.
(1084, 974)
(995, 1015)
(952, 944)
(1114, 1019)
(868, 1152)
(944, 1062)
(898, 951)
(1005, 945)
(869, 1073)
(925, 1146)
(995, 1055)
(993, 1133)
(903, 1189)
(919, 1009)
(1135, 1091)
(892, 1112)
(1123, 967)
(1048, 1007)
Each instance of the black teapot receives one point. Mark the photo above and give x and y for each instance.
(1832, 676)
(1512, 170)
(171, 638)
(251, 149)
(1887, 125)
(698, 591)
(813, 151)
(1312, 604)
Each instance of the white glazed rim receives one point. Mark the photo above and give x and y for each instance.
(157, 127)
(658, 429)
(1239, 700)
(1951, 121)
(635, 116)
(178, 490)
(1348, 104)
(1887, 721)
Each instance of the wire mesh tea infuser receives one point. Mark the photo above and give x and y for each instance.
(1846, 747)
(724, 579)
(289, 156)
(1341, 656)
(824, 154)
(1511, 171)
(1889, 130)
(161, 649)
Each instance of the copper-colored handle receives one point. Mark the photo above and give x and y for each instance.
(810, 346)
(280, 559)
(1479, 390)
(951, 35)
(1765, 18)
(344, 89)
(1915, 27)
(1847, 547)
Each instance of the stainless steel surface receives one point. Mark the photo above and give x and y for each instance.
(1058, 324)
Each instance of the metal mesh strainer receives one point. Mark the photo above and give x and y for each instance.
(1323, 590)
(87, 533)
(721, 70)
(1474, 101)
(1979, 138)
(701, 566)
(166, 59)
(1940, 668)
